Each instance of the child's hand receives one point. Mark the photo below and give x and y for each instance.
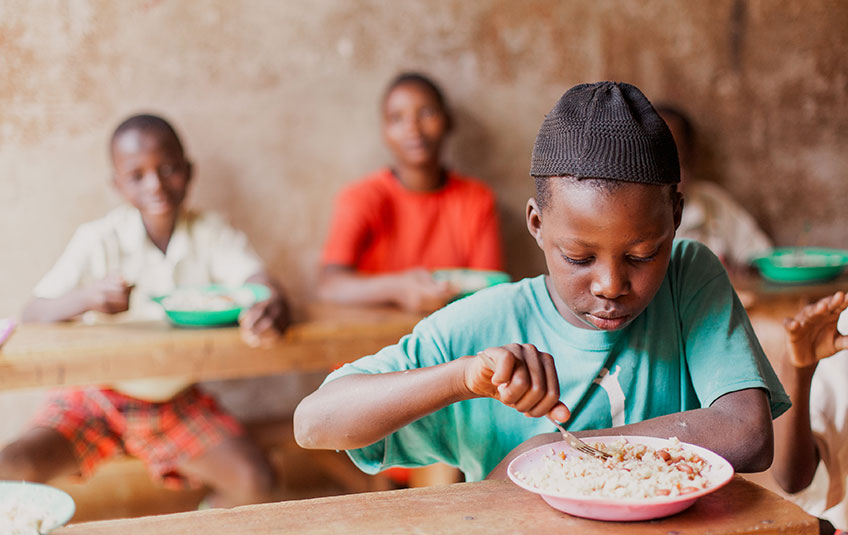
(419, 292)
(520, 376)
(812, 333)
(262, 324)
(110, 295)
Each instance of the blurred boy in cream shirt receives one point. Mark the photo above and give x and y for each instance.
(146, 247)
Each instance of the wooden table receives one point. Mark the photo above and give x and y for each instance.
(485, 508)
(45, 355)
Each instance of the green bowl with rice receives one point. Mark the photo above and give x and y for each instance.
(212, 305)
(802, 264)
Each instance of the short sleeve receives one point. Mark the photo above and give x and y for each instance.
(716, 328)
(75, 267)
(425, 441)
(233, 259)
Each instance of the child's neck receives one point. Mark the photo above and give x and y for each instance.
(426, 177)
(160, 230)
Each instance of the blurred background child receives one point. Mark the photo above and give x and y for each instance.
(395, 225)
(146, 247)
(710, 214)
(810, 453)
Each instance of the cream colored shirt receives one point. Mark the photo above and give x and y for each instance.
(826, 497)
(203, 249)
(711, 216)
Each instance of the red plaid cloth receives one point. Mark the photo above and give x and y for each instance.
(100, 423)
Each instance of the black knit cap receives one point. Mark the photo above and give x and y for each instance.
(606, 130)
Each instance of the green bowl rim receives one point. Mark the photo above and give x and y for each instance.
(807, 251)
(199, 318)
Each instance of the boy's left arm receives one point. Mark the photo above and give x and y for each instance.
(736, 426)
(262, 324)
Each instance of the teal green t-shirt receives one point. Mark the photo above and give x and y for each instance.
(690, 346)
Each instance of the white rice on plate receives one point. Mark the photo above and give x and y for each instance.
(20, 518)
(198, 300)
(632, 471)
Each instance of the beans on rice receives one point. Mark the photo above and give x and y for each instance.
(632, 471)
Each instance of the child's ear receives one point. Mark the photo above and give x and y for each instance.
(189, 170)
(534, 221)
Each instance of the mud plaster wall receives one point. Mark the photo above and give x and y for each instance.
(277, 104)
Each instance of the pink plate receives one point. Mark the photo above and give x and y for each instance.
(719, 472)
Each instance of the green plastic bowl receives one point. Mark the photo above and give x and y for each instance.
(802, 264)
(245, 296)
(468, 281)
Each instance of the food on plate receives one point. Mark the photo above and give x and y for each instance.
(807, 260)
(20, 518)
(192, 299)
(633, 471)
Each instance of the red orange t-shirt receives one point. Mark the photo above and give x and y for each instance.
(380, 226)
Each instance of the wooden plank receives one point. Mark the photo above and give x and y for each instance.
(485, 508)
(41, 355)
(44, 355)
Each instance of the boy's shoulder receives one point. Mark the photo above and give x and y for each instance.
(206, 227)
(688, 254)
(207, 219)
(124, 223)
(116, 220)
(469, 194)
(382, 184)
(692, 267)
(370, 188)
(379, 179)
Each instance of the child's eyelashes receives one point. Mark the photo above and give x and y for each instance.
(642, 258)
(577, 261)
(588, 259)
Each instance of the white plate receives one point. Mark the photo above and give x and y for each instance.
(53, 507)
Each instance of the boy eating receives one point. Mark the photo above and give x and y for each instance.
(148, 246)
(629, 333)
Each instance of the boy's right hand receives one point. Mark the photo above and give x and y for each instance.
(812, 333)
(519, 376)
(109, 295)
(419, 292)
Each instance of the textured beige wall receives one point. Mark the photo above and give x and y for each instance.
(277, 104)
